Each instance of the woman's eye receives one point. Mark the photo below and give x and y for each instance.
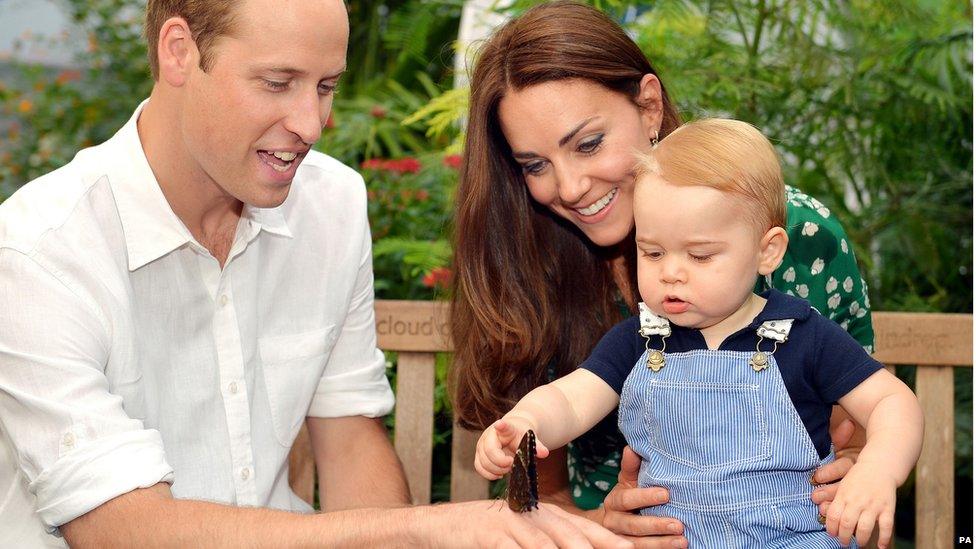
(533, 168)
(591, 145)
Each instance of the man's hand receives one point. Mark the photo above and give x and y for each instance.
(627, 497)
(492, 524)
(496, 448)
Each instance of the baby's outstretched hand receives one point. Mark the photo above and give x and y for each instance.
(496, 448)
(865, 496)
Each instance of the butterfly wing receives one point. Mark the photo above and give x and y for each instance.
(523, 481)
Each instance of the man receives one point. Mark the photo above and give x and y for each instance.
(175, 301)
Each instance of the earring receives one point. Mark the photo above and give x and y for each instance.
(654, 139)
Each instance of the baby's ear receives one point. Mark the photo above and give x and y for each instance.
(772, 248)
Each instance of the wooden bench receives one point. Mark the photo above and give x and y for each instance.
(936, 343)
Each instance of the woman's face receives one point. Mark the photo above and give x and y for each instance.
(576, 142)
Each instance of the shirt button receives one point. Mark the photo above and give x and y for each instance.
(232, 387)
(223, 300)
(245, 473)
(68, 440)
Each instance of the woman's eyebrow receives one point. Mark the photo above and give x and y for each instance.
(565, 139)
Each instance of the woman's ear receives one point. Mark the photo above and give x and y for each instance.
(177, 51)
(772, 248)
(651, 104)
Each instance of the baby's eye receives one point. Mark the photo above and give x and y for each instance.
(701, 258)
(275, 85)
(654, 256)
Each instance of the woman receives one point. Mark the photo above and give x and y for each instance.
(561, 98)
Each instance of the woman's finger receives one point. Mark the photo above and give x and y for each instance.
(833, 471)
(627, 500)
(629, 524)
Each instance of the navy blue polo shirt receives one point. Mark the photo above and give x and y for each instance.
(820, 362)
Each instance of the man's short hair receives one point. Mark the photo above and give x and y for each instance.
(728, 155)
(208, 20)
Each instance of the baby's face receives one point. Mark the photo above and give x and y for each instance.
(698, 254)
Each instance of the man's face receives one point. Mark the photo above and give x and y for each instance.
(250, 119)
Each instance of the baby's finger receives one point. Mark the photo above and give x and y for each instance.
(865, 525)
(833, 515)
(848, 521)
(504, 431)
(480, 468)
(886, 526)
(541, 451)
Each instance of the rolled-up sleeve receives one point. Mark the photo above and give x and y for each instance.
(70, 435)
(354, 382)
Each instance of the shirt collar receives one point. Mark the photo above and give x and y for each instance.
(271, 220)
(151, 228)
(780, 306)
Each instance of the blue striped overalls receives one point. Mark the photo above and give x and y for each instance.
(729, 446)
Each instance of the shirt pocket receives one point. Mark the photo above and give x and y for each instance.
(292, 366)
(707, 425)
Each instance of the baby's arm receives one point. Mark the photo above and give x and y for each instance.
(893, 419)
(558, 412)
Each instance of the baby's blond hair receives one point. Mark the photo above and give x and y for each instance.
(728, 155)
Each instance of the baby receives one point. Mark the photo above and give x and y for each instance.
(726, 395)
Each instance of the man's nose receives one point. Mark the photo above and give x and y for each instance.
(309, 114)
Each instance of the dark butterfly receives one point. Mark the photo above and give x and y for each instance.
(523, 481)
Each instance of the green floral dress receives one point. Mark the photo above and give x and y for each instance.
(819, 266)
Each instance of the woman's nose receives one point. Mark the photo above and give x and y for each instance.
(572, 186)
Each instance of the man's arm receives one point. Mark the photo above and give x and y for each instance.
(150, 517)
(357, 466)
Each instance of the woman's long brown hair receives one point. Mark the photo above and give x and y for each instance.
(530, 290)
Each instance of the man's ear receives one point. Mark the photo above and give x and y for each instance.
(772, 248)
(177, 51)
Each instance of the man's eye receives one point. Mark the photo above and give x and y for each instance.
(328, 89)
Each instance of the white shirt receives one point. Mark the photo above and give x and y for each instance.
(129, 357)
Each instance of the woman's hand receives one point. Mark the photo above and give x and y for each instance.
(627, 497)
(846, 448)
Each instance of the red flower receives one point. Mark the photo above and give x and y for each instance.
(373, 164)
(439, 277)
(378, 112)
(405, 165)
(401, 166)
(422, 195)
(453, 161)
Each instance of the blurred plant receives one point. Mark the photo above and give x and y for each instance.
(56, 112)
